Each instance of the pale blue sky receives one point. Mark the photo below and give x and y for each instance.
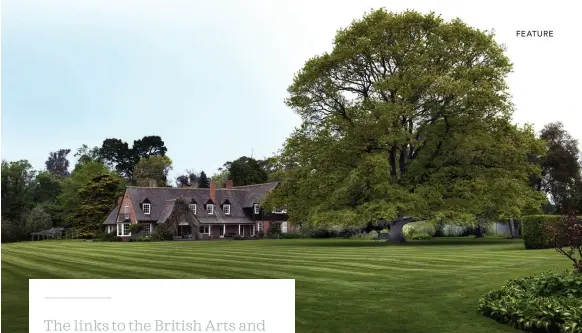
(210, 77)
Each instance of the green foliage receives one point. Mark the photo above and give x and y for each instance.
(419, 229)
(549, 302)
(12, 231)
(408, 115)
(420, 237)
(109, 237)
(152, 168)
(96, 199)
(533, 230)
(561, 172)
(246, 171)
(18, 184)
(203, 180)
(136, 228)
(37, 220)
(220, 178)
(452, 230)
(69, 199)
(48, 187)
(58, 164)
(565, 236)
(117, 154)
(163, 232)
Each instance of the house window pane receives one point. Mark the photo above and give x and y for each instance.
(192, 208)
(147, 229)
(126, 229)
(146, 209)
(210, 209)
(226, 209)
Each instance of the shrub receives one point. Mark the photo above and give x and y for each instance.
(565, 236)
(109, 237)
(548, 302)
(162, 232)
(418, 228)
(366, 236)
(323, 233)
(420, 237)
(453, 230)
(533, 230)
(292, 235)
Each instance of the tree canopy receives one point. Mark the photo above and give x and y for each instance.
(155, 167)
(561, 172)
(58, 164)
(408, 115)
(246, 171)
(117, 154)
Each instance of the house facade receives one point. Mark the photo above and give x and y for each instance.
(220, 213)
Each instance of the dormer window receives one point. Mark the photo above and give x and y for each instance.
(146, 207)
(256, 208)
(210, 209)
(226, 209)
(192, 208)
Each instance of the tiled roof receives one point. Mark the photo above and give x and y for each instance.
(112, 217)
(161, 201)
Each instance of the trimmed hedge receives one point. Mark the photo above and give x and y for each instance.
(533, 230)
(548, 302)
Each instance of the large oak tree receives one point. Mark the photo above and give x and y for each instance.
(407, 116)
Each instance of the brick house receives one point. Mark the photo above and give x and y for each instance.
(220, 213)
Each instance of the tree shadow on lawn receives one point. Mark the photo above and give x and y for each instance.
(440, 241)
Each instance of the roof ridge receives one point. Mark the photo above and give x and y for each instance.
(269, 183)
(194, 188)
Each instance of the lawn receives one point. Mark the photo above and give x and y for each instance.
(341, 285)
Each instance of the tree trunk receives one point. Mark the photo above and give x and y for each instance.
(396, 235)
(478, 232)
(511, 228)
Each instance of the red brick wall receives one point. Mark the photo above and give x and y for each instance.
(126, 201)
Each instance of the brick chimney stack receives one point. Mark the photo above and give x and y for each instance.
(229, 184)
(213, 192)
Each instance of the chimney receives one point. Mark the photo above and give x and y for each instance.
(229, 184)
(213, 192)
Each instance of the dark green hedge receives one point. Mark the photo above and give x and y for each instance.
(533, 235)
(547, 302)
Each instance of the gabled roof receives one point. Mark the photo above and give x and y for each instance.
(161, 201)
(112, 217)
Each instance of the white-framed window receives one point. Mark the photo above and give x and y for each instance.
(192, 208)
(126, 212)
(205, 229)
(257, 209)
(147, 229)
(226, 209)
(210, 209)
(109, 229)
(260, 226)
(147, 208)
(123, 229)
